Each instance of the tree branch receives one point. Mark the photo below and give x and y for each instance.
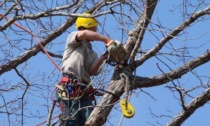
(34, 50)
(194, 105)
(136, 36)
(99, 114)
(174, 33)
(147, 14)
(142, 82)
(47, 13)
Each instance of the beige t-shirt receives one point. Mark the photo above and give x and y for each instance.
(77, 58)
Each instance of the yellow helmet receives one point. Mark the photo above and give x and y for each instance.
(86, 22)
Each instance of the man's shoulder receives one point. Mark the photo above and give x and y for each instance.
(73, 33)
(72, 37)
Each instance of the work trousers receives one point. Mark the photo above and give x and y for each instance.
(79, 110)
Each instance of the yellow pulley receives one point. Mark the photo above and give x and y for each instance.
(127, 109)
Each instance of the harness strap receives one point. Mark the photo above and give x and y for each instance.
(69, 89)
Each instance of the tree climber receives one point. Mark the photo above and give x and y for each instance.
(75, 93)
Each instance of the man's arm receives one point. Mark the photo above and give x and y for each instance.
(93, 70)
(92, 36)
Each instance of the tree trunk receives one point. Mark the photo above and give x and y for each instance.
(99, 115)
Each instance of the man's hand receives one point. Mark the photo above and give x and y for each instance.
(108, 42)
(116, 51)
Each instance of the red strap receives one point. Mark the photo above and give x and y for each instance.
(65, 80)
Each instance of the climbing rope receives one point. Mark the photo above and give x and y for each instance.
(127, 109)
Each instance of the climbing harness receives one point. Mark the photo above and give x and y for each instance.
(71, 88)
(70, 91)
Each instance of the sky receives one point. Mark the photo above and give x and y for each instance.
(154, 109)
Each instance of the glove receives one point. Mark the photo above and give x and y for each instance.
(116, 51)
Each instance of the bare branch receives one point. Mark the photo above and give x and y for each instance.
(145, 19)
(191, 108)
(34, 50)
(164, 78)
(174, 33)
(136, 36)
